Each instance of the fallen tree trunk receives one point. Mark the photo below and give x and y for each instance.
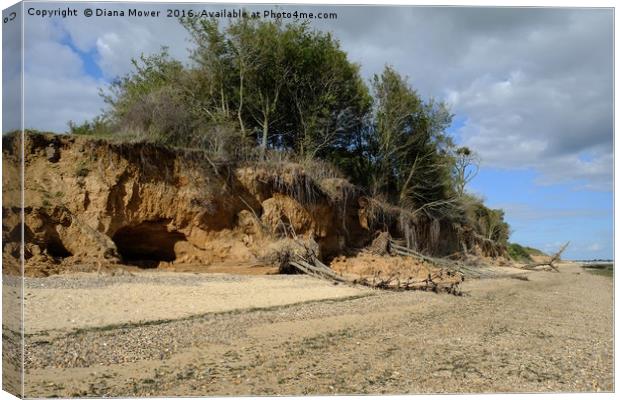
(428, 284)
(468, 270)
(440, 281)
(404, 251)
(321, 272)
(556, 257)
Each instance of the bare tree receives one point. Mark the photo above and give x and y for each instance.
(245, 59)
(466, 167)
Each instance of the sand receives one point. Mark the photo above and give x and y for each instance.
(546, 332)
(151, 297)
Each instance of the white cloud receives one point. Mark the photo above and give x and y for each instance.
(595, 174)
(533, 85)
(545, 125)
(51, 102)
(117, 40)
(56, 87)
(66, 63)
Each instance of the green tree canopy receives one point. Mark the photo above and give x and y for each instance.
(404, 142)
(287, 86)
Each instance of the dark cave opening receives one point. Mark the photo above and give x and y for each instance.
(56, 249)
(147, 244)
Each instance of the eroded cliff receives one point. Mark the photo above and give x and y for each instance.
(91, 203)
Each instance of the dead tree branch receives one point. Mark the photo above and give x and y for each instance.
(441, 280)
(554, 258)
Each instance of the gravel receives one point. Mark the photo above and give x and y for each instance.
(551, 333)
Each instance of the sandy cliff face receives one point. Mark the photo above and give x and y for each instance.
(90, 203)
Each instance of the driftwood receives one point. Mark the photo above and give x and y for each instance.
(432, 283)
(454, 266)
(404, 251)
(319, 270)
(556, 257)
(442, 280)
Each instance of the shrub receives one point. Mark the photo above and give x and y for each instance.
(518, 253)
(97, 127)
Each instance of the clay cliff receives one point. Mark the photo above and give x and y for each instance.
(89, 203)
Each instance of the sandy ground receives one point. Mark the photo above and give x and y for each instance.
(551, 332)
(90, 301)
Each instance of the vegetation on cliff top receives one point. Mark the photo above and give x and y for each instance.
(260, 89)
(523, 253)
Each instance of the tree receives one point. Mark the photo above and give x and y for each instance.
(151, 100)
(327, 99)
(406, 142)
(245, 59)
(214, 71)
(466, 166)
(289, 86)
(270, 75)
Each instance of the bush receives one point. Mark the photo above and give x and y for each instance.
(97, 127)
(519, 253)
(161, 116)
(223, 141)
(534, 252)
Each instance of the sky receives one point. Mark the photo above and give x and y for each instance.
(531, 90)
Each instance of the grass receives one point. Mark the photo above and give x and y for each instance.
(603, 269)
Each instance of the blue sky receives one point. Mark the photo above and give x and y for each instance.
(89, 59)
(547, 216)
(531, 90)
